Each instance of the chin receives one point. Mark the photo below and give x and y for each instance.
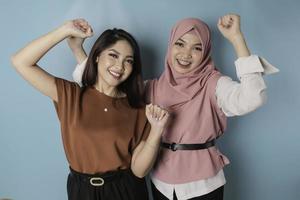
(181, 70)
(115, 83)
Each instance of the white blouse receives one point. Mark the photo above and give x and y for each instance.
(235, 99)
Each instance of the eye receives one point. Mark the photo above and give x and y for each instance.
(180, 44)
(129, 61)
(198, 48)
(113, 55)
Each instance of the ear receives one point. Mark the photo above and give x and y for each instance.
(97, 59)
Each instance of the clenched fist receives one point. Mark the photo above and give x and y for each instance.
(229, 26)
(157, 116)
(78, 28)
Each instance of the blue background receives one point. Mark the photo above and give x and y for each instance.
(263, 146)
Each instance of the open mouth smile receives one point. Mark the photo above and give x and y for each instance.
(183, 63)
(114, 74)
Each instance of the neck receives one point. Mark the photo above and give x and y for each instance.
(108, 90)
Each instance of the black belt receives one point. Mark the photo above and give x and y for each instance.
(175, 146)
(98, 179)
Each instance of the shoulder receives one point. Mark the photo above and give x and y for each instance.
(66, 89)
(213, 80)
(60, 82)
(63, 84)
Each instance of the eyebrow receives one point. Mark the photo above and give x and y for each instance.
(181, 40)
(200, 44)
(115, 51)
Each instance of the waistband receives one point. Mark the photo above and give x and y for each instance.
(99, 179)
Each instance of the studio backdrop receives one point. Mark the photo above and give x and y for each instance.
(263, 146)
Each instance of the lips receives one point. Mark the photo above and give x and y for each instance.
(184, 63)
(114, 74)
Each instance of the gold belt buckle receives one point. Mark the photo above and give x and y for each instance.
(100, 183)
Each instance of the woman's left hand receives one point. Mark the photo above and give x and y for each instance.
(229, 26)
(157, 116)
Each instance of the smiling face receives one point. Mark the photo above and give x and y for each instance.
(115, 63)
(186, 53)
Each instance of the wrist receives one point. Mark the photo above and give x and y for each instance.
(62, 31)
(154, 137)
(237, 39)
(157, 129)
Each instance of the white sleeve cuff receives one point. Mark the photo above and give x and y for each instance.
(253, 64)
(78, 72)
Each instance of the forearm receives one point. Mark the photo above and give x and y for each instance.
(32, 53)
(79, 54)
(146, 156)
(240, 46)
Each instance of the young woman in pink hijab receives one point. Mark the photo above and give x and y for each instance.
(199, 99)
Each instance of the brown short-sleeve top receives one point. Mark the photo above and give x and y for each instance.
(102, 136)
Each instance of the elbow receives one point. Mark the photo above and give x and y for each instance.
(140, 175)
(13, 60)
(138, 172)
(250, 103)
(254, 102)
(259, 100)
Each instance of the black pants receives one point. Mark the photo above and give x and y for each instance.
(214, 195)
(117, 185)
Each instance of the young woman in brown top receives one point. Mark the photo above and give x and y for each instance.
(107, 140)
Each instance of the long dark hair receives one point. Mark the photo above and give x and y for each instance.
(133, 85)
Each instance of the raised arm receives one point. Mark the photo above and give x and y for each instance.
(229, 26)
(25, 60)
(75, 43)
(240, 98)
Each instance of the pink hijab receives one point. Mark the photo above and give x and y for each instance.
(185, 86)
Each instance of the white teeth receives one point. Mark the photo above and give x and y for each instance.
(115, 73)
(183, 62)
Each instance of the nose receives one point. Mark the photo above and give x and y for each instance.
(186, 54)
(119, 65)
